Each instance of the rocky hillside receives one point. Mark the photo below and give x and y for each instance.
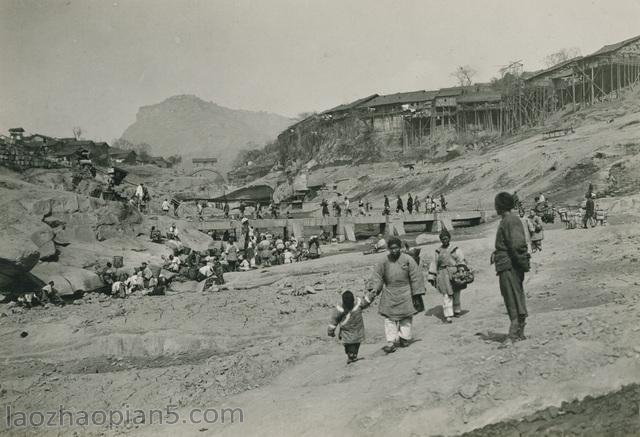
(189, 126)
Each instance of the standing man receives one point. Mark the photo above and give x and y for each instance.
(165, 207)
(347, 210)
(399, 205)
(387, 209)
(443, 203)
(361, 210)
(325, 208)
(536, 233)
(511, 260)
(410, 204)
(590, 211)
(225, 209)
(200, 207)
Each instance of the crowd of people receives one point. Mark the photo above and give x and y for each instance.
(431, 204)
(343, 208)
(265, 250)
(144, 279)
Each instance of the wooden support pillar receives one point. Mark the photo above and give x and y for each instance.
(573, 90)
(592, 80)
(618, 79)
(611, 78)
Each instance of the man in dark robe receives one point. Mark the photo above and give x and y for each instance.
(399, 205)
(511, 260)
(589, 213)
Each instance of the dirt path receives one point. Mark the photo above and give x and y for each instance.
(261, 349)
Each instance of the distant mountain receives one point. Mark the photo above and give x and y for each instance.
(191, 127)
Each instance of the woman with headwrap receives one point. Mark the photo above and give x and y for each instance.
(511, 259)
(396, 279)
(444, 264)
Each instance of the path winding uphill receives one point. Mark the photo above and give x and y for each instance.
(584, 326)
(264, 349)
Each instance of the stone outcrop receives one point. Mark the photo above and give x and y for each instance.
(67, 279)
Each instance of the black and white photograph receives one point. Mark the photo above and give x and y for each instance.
(312, 218)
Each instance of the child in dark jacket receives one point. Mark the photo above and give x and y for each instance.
(348, 317)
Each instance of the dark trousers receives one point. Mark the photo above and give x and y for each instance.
(515, 301)
(352, 349)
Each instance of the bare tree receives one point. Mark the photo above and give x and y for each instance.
(77, 132)
(561, 56)
(464, 75)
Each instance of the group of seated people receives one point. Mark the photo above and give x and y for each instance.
(143, 279)
(272, 250)
(172, 234)
(196, 266)
(47, 294)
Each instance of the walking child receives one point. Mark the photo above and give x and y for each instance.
(348, 317)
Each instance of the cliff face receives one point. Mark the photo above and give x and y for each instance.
(189, 126)
(349, 139)
(358, 139)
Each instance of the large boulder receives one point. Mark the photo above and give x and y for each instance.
(18, 251)
(43, 239)
(67, 279)
(77, 233)
(39, 207)
(17, 227)
(189, 234)
(64, 203)
(134, 251)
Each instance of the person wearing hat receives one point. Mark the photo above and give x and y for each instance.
(444, 264)
(511, 259)
(397, 280)
(347, 318)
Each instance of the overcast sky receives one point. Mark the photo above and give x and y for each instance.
(93, 63)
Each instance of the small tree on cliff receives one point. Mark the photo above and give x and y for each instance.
(561, 56)
(464, 75)
(77, 132)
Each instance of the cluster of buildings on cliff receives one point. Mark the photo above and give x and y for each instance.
(517, 100)
(20, 151)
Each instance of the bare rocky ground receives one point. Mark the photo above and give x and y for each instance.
(613, 414)
(260, 347)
